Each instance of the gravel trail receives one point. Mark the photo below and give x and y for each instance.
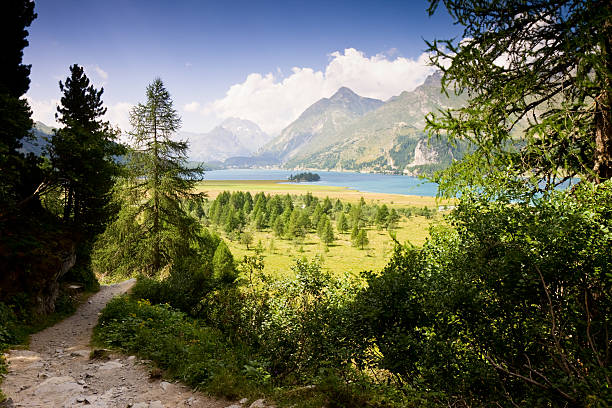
(57, 371)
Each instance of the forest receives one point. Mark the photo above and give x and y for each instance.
(507, 303)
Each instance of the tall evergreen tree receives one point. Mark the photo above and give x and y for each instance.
(361, 239)
(328, 233)
(152, 228)
(83, 153)
(19, 173)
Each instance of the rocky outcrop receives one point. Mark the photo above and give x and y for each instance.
(424, 154)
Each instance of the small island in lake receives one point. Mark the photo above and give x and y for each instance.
(304, 177)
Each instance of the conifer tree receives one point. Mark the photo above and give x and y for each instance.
(295, 228)
(328, 233)
(381, 216)
(392, 219)
(259, 221)
(354, 232)
(19, 173)
(538, 77)
(83, 154)
(279, 227)
(327, 205)
(223, 264)
(341, 223)
(152, 228)
(361, 239)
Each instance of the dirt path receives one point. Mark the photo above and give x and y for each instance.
(57, 371)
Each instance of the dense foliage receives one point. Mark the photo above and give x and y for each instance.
(539, 79)
(510, 306)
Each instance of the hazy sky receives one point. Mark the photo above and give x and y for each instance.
(260, 60)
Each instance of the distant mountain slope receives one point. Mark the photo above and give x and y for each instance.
(233, 137)
(320, 122)
(40, 134)
(389, 138)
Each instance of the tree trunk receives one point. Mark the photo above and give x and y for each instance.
(68, 205)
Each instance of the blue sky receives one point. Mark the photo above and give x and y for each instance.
(261, 60)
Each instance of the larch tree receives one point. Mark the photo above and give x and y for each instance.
(538, 76)
(152, 228)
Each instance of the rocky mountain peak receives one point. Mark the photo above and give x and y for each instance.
(344, 93)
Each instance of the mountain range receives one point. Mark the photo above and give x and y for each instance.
(233, 137)
(343, 132)
(350, 132)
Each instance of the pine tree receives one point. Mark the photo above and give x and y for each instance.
(279, 227)
(259, 221)
(19, 173)
(152, 228)
(321, 225)
(295, 228)
(354, 232)
(223, 265)
(327, 205)
(328, 233)
(341, 223)
(83, 154)
(392, 219)
(538, 77)
(361, 239)
(381, 216)
(316, 214)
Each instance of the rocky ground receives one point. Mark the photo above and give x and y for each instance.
(57, 370)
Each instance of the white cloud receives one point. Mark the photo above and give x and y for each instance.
(192, 107)
(103, 74)
(118, 115)
(274, 101)
(44, 110)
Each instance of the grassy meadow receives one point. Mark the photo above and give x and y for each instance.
(340, 256)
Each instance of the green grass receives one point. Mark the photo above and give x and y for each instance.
(340, 257)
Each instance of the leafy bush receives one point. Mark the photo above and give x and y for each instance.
(510, 306)
(192, 277)
(303, 329)
(188, 351)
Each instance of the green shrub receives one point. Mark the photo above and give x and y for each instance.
(509, 306)
(178, 344)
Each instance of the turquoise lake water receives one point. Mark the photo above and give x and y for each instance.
(373, 183)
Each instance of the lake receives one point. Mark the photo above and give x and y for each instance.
(367, 182)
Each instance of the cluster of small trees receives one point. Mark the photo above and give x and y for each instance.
(292, 217)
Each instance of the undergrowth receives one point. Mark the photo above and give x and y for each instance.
(204, 358)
